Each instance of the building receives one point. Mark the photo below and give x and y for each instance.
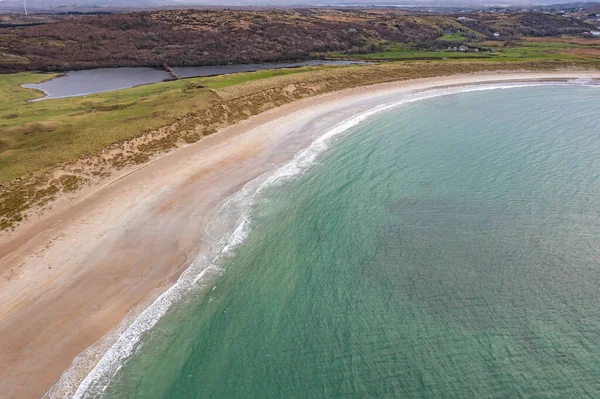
(595, 33)
(496, 34)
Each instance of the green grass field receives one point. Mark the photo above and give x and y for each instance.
(219, 82)
(36, 135)
(520, 51)
(541, 51)
(453, 37)
(41, 134)
(403, 51)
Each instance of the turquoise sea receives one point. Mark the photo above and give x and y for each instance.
(447, 248)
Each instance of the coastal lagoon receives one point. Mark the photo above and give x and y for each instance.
(447, 247)
(91, 81)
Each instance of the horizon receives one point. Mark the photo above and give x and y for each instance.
(35, 5)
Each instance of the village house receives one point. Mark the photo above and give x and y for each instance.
(461, 49)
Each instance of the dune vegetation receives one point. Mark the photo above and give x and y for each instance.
(57, 146)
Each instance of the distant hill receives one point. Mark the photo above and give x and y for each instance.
(154, 4)
(591, 6)
(209, 37)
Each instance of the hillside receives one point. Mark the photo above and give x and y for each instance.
(206, 37)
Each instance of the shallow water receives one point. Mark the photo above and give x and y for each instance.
(87, 82)
(91, 81)
(446, 248)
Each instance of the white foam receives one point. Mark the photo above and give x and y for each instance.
(584, 81)
(229, 229)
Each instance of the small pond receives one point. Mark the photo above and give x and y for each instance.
(91, 81)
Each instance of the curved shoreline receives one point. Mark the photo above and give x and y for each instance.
(72, 290)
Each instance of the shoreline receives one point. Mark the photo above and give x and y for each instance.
(76, 272)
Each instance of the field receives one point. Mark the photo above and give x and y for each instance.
(557, 49)
(40, 134)
(453, 37)
(402, 51)
(396, 55)
(549, 50)
(35, 135)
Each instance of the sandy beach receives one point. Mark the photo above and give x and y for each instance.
(72, 275)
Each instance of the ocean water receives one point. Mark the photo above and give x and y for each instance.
(447, 248)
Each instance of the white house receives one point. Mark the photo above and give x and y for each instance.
(496, 34)
(595, 33)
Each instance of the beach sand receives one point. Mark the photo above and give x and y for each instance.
(72, 275)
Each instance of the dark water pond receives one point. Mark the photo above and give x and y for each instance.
(81, 83)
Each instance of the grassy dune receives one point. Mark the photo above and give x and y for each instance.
(56, 146)
(37, 135)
